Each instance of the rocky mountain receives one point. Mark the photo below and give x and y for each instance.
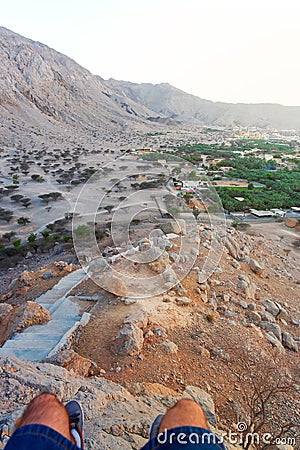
(41, 87)
(169, 101)
(44, 90)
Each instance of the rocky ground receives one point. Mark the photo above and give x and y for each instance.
(234, 333)
(115, 417)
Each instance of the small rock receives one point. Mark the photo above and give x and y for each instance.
(130, 301)
(267, 317)
(230, 314)
(235, 264)
(148, 334)
(289, 342)
(5, 308)
(243, 304)
(271, 307)
(129, 340)
(169, 347)
(274, 341)
(273, 327)
(251, 306)
(160, 331)
(183, 301)
(12, 284)
(47, 275)
(247, 286)
(72, 361)
(253, 316)
(256, 267)
(226, 298)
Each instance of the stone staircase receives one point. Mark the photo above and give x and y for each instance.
(38, 341)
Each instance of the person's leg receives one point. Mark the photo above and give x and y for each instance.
(46, 409)
(184, 426)
(184, 413)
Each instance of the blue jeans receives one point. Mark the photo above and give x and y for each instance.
(40, 437)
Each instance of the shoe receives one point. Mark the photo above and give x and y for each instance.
(155, 426)
(76, 418)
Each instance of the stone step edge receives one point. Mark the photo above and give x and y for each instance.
(85, 318)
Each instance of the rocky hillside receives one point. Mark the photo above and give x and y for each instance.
(42, 88)
(168, 101)
(220, 341)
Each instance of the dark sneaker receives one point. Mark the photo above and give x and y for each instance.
(76, 421)
(155, 426)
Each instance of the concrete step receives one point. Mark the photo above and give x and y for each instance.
(65, 309)
(64, 285)
(27, 344)
(37, 341)
(38, 336)
(25, 355)
(53, 326)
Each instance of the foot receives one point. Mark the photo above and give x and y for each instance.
(76, 421)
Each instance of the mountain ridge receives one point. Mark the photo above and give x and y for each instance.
(42, 87)
(168, 100)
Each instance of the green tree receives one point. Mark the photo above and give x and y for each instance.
(45, 235)
(38, 178)
(26, 202)
(16, 197)
(15, 179)
(32, 238)
(23, 221)
(8, 236)
(17, 243)
(6, 215)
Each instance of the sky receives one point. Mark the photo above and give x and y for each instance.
(222, 50)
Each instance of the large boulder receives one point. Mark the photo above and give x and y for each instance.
(114, 284)
(173, 226)
(21, 317)
(5, 308)
(73, 362)
(129, 341)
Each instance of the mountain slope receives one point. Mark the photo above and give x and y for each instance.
(167, 100)
(40, 85)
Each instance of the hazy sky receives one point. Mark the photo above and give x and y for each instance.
(227, 50)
